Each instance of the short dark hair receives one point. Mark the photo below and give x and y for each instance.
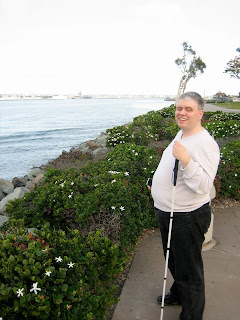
(193, 96)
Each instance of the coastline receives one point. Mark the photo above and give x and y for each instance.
(91, 150)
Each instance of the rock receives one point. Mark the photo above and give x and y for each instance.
(2, 195)
(33, 173)
(102, 139)
(92, 145)
(19, 182)
(100, 153)
(88, 147)
(82, 146)
(31, 185)
(6, 186)
(38, 179)
(16, 194)
(3, 219)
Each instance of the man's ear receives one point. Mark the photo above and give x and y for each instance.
(201, 112)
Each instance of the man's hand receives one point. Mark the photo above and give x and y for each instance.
(181, 153)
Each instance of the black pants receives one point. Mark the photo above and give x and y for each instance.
(185, 257)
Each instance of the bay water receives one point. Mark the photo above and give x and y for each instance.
(32, 132)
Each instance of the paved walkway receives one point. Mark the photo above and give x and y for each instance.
(222, 275)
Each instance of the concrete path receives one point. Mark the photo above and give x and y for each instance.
(222, 275)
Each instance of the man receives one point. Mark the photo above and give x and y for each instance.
(198, 156)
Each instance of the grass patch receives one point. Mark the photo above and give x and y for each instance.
(230, 105)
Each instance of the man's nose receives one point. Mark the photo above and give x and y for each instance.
(182, 112)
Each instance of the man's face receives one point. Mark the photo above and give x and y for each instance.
(187, 115)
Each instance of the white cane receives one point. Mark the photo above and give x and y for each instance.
(175, 170)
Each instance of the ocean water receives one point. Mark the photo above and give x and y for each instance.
(32, 132)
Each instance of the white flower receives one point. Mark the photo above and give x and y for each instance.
(71, 264)
(61, 185)
(122, 208)
(126, 173)
(59, 259)
(150, 157)
(19, 293)
(48, 273)
(72, 183)
(44, 250)
(109, 159)
(96, 185)
(70, 196)
(113, 207)
(235, 174)
(136, 154)
(114, 181)
(35, 288)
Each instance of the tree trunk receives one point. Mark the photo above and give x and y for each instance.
(182, 87)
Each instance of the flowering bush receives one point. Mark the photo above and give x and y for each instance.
(113, 188)
(155, 125)
(88, 218)
(222, 129)
(221, 116)
(54, 275)
(229, 170)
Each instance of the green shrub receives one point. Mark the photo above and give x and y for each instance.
(222, 129)
(168, 112)
(155, 125)
(90, 217)
(118, 135)
(111, 189)
(129, 167)
(54, 275)
(229, 170)
(221, 116)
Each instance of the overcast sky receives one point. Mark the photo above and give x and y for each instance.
(115, 46)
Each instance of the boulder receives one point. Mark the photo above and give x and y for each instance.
(92, 145)
(82, 146)
(6, 186)
(88, 147)
(2, 195)
(2, 220)
(38, 179)
(16, 194)
(102, 139)
(33, 173)
(19, 182)
(31, 185)
(100, 153)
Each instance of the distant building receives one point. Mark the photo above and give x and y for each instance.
(220, 95)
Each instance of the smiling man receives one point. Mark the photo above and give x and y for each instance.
(198, 156)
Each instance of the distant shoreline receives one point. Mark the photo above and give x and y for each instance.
(71, 97)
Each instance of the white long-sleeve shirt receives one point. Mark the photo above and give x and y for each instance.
(194, 182)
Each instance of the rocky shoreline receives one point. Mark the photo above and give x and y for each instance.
(93, 150)
(19, 186)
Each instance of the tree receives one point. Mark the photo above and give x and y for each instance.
(233, 67)
(190, 66)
